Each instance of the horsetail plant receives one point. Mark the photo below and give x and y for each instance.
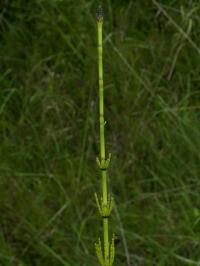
(105, 204)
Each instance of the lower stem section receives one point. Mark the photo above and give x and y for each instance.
(105, 220)
(106, 240)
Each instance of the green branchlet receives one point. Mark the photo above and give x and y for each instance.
(102, 260)
(104, 209)
(99, 252)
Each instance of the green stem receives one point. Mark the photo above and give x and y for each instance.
(105, 204)
(102, 137)
(101, 91)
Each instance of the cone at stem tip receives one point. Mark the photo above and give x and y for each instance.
(99, 14)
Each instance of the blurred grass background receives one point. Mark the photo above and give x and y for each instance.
(49, 135)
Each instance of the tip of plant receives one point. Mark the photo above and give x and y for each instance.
(99, 14)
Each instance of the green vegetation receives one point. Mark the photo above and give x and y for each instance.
(49, 131)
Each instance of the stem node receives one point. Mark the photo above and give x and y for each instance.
(104, 208)
(103, 163)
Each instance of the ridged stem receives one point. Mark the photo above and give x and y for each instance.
(102, 136)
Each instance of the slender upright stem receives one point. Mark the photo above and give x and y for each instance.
(105, 205)
(102, 134)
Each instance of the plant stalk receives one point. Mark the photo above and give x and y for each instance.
(106, 257)
(102, 134)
